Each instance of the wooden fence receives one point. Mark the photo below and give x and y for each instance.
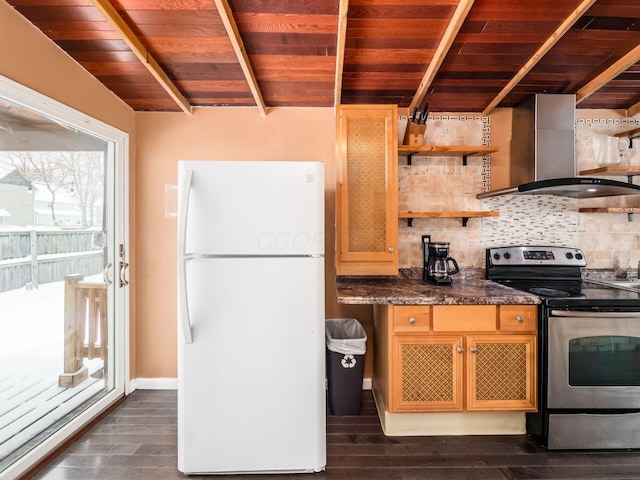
(34, 256)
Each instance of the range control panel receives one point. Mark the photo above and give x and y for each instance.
(535, 255)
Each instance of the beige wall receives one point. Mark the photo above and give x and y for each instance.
(221, 133)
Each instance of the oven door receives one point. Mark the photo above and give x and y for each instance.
(594, 360)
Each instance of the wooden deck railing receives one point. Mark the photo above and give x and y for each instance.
(85, 327)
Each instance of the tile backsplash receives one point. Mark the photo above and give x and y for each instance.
(610, 241)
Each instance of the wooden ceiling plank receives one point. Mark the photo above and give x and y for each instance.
(632, 57)
(457, 19)
(116, 21)
(340, 46)
(542, 51)
(236, 41)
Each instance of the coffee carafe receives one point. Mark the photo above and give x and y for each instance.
(438, 265)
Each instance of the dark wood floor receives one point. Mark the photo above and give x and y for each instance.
(138, 441)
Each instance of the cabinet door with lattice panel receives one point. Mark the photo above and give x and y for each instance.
(367, 190)
(427, 373)
(501, 372)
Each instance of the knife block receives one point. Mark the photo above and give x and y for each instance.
(414, 133)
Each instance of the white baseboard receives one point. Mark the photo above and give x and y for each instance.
(154, 384)
(172, 384)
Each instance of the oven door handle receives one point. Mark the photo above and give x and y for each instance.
(565, 313)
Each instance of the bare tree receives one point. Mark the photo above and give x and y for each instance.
(38, 167)
(80, 174)
(84, 173)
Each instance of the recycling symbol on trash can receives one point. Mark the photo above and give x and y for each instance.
(348, 361)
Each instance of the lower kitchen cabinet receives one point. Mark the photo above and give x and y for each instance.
(458, 358)
(427, 373)
(501, 372)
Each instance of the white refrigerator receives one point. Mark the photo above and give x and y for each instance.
(251, 354)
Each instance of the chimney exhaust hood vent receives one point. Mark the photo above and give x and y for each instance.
(543, 153)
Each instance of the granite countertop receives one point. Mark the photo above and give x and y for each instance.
(412, 291)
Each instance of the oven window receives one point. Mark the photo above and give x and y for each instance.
(604, 360)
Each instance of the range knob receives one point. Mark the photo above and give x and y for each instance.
(579, 256)
(507, 255)
(569, 255)
(496, 256)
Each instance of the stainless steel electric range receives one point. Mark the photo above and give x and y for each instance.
(589, 349)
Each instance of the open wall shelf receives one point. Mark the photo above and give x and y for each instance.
(465, 216)
(635, 133)
(615, 171)
(463, 151)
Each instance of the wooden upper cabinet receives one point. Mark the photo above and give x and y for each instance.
(367, 190)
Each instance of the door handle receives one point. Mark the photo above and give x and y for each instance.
(105, 274)
(123, 281)
(123, 266)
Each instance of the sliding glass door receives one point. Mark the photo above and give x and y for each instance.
(63, 273)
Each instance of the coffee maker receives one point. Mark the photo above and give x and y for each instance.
(438, 265)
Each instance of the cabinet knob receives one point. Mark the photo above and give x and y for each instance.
(390, 249)
(520, 318)
(474, 349)
(460, 350)
(412, 320)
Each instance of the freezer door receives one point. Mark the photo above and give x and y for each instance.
(253, 208)
(251, 385)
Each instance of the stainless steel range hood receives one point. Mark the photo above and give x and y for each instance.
(543, 153)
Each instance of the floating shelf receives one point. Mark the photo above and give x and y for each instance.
(463, 151)
(610, 210)
(464, 215)
(628, 210)
(613, 171)
(629, 133)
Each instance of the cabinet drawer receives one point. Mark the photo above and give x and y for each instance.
(518, 318)
(411, 318)
(464, 318)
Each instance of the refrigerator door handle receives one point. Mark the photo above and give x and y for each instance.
(183, 257)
